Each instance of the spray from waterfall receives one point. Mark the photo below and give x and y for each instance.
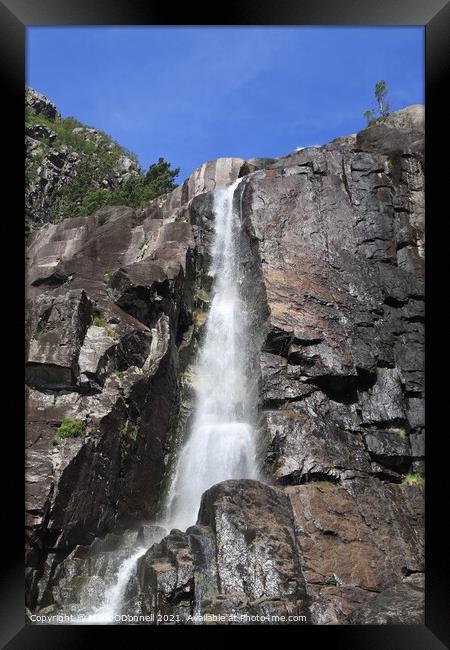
(221, 444)
(114, 597)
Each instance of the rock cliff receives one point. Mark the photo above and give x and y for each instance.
(116, 302)
(64, 159)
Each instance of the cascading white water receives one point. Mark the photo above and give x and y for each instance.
(221, 444)
(107, 611)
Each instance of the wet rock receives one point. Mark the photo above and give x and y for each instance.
(239, 558)
(416, 413)
(255, 550)
(331, 225)
(166, 577)
(277, 386)
(388, 448)
(384, 401)
(136, 274)
(305, 443)
(83, 580)
(417, 442)
(321, 550)
(113, 376)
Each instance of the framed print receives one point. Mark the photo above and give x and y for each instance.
(224, 307)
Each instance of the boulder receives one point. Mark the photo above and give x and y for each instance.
(401, 131)
(239, 559)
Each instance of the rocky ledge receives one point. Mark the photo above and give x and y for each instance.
(116, 305)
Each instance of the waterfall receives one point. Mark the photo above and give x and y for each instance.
(221, 443)
(106, 612)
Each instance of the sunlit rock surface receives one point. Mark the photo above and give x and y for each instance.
(241, 557)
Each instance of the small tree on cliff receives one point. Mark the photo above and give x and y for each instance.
(137, 190)
(381, 91)
(160, 178)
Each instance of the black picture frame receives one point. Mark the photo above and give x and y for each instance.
(15, 17)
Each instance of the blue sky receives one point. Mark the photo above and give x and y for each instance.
(196, 94)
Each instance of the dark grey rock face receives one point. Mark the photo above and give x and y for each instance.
(334, 246)
(400, 132)
(340, 237)
(318, 550)
(60, 324)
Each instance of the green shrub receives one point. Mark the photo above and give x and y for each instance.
(63, 127)
(99, 321)
(130, 432)
(399, 431)
(69, 429)
(143, 244)
(93, 200)
(413, 478)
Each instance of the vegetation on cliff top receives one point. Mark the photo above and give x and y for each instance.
(97, 171)
(381, 91)
(133, 192)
